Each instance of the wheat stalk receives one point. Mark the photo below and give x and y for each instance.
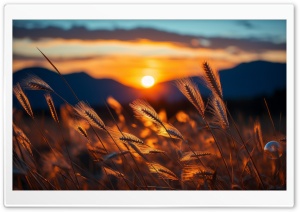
(162, 171)
(145, 149)
(168, 130)
(22, 98)
(212, 80)
(218, 109)
(190, 90)
(51, 106)
(109, 171)
(22, 138)
(35, 83)
(82, 131)
(125, 137)
(187, 156)
(191, 171)
(90, 115)
(258, 134)
(144, 111)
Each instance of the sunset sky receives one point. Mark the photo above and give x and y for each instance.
(127, 50)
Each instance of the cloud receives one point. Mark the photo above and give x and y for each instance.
(81, 33)
(246, 24)
(17, 56)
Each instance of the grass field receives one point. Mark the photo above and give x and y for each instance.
(139, 147)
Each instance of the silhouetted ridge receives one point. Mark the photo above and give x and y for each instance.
(245, 81)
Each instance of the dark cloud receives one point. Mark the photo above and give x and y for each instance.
(81, 33)
(55, 59)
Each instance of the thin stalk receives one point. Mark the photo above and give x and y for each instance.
(252, 161)
(270, 116)
(59, 74)
(44, 179)
(219, 148)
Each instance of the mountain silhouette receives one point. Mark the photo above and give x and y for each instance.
(248, 80)
(245, 81)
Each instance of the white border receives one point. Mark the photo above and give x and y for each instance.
(147, 198)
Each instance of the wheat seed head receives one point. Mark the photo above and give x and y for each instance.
(191, 171)
(82, 131)
(124, 137)
(144, 111)
(168, 130)
(112, 172)
(218, 109)
(35, 83)
(85, 111)
(187, 156)
(144, 149)
(212, 80)
(190, 90)
(51, 106)
(22, 138)
(22, 98)
(162, 171)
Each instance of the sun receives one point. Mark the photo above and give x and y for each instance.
(147, 81)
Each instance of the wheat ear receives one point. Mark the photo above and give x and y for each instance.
(168, 130)
(191, 92)
(144, 111)
(22, 138)
(51, 106)
(124, 137)
(22, 98)
(218, 109)
(162, 171)
(212, 80)
(190, 171)
(82, 131)
(90, 115)
(187, 156)
(113, 172)
(35, 83)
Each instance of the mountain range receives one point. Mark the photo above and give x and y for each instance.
(245, 81)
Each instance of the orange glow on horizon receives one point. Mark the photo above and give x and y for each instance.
(128, 61)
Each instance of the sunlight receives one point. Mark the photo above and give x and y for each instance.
(147, 81)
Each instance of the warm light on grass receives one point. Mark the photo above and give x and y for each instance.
(147, 81)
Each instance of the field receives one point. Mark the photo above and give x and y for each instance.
(144, 147)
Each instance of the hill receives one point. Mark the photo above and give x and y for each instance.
(245, 81)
